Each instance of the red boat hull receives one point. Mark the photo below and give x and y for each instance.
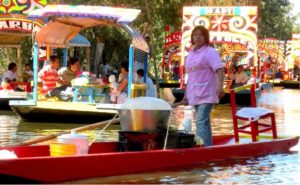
(34, 162)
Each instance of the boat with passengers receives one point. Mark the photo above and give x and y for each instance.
(64, 23)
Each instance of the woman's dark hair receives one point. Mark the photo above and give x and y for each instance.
(72, 61)
(11, 66)
(140, 72)
(204, 32)
(125, 65)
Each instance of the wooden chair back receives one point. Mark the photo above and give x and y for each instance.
(138, 90)
(233, 92)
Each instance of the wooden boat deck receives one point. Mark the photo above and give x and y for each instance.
(47, 111)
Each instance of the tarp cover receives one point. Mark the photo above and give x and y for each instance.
(79, 41)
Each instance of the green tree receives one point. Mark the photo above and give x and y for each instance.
(275, 20)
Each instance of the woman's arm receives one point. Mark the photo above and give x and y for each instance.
(220, 75)
(123, 85)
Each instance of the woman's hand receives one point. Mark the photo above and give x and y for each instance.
(221, 94)
(184, 101)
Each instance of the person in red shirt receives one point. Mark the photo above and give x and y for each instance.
(49, 76)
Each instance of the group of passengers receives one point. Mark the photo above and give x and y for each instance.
(54, 82)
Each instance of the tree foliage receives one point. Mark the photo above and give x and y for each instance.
(275, 20)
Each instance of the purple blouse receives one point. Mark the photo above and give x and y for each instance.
(202, 84)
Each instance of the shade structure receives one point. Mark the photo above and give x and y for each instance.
(10, 39)
(65, 22)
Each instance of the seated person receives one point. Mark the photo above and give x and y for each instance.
(241, 77)
(279, 74)
(5, 85)
(233, 72)
(122, 90)
(150, 91)
(66, 75)
(48, 76)
(28, 73)
(11, 73)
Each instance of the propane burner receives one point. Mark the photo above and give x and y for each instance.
(139, 140)
(153, 140)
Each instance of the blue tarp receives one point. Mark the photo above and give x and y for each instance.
(79, 41)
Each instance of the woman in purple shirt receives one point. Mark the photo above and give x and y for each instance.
(205, 82)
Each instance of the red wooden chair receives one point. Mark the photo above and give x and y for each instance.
(252, 114)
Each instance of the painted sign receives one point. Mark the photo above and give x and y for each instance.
(172, 52)
(271, 47)
(235, 25)
(19, 24)
(292, 52)
(172, 45)
(13, 18)
(20, 6)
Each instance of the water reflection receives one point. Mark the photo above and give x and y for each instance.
(8, 127)
(271, 169)
(278, 169)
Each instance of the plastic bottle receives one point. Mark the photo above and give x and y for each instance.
(186, 125)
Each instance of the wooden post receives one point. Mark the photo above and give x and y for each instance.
(65, 57)
(48, 52)
(35, 71)
(87, 57)
(19, 64)
(130, 76)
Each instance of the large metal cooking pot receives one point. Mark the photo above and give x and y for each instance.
(144, 114)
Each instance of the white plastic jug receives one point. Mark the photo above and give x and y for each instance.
(186, 125)
(81, 142)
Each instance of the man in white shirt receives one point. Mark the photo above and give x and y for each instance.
(11, 74)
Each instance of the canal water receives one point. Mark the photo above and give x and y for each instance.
(275, 169)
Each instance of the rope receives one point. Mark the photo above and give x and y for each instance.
(167, 135)
(103, 130)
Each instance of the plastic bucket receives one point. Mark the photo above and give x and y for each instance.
(80, 141)
(62, 149)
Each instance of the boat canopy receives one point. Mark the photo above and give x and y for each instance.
(79, 41)
(14, 28)
(12, 39)
(66, 21)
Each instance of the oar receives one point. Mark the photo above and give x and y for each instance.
(174, 105)
(79, 129)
